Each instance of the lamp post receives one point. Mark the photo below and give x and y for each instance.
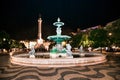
(110, 34)
(110, 40)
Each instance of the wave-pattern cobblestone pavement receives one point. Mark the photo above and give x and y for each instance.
(109, 70)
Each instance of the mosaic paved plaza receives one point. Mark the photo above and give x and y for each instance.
(109, 70)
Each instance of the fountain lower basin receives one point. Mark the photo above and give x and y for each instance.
(46, 61)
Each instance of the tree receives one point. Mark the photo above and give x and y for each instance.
(85, 40)
(76, 40)
(99, 38)
(4, 40)
(16, 44)
(114, 29)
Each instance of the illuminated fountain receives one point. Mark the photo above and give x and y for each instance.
(58, 56)
(58, 50)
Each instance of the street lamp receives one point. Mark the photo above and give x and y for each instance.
(110, 40)
(4, 39)
(110, 34)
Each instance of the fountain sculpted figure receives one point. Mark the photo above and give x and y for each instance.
(58, 30)
(81, 49)
(32, 53)
(68, 49)
(82, 54)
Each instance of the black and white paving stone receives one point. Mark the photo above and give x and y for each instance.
(109, 70)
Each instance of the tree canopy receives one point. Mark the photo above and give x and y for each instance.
(99, 37)
(114, 29)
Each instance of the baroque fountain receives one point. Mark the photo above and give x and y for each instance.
(58, 56)
(58, 50)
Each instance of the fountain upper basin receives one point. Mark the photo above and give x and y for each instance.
(58, 37)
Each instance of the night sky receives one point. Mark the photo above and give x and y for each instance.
(19, 17)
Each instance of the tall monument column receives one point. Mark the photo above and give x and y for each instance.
(39, 28)
(40, 40)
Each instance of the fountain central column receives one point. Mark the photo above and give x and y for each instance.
(58, 24)
(58, 31)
